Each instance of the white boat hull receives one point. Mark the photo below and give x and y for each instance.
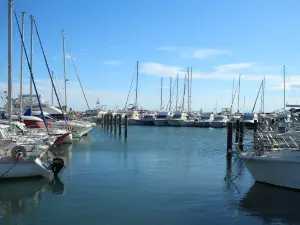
(19, 169)
(274, 170)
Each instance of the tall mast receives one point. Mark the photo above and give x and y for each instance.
(65, 76)
(191, 89)
(21, 73)
(284, 87)
(232, 94)
(9, 86)
(264, 94)
(184, 87)
(188, 87)
(176, 92)
(52, 90)
(244, 103)
(170, 100)
(31, 59)
(137, 83)
(161, 93)
(238, 106)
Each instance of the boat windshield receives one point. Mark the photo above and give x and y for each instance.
(205, 118)
(148, 116)
(176, 116)
(161, 116)
(248, 117)
(219, 118)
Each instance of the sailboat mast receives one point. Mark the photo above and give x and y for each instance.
(284, 87)
(264, 94)
(31, 59)
(21, 73)
(188, 87)
(170, 100)
(184, 87)
(52, 90)
(137, 83)
(161, 93)
(191, 89)
(65, 76)
(176, 92)
(232, 94)
(9, 88)
(238, 106)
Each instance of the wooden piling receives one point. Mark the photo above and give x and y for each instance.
(115, 124)
(255, 134)
(111, 122)
(237, 130)
(241, 136)
(126, 125)
(229, 139)
(120, 125)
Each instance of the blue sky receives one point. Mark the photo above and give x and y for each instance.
(219, 39)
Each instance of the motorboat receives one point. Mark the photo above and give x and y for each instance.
(219, 121)
(147, 119)
(205, 120)
(162, 118)
(178, 118)
(248, 119)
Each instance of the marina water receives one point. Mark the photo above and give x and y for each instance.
(159, 175)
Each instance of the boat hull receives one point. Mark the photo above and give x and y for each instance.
(176, 123)
(18, 169)
(273, 170)
(159, 122)
(146, 123)
(203, 124)
(218, 124)
(188, 123)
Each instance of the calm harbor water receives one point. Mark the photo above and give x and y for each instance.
(160, 175)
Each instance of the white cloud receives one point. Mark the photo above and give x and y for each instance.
(206, 53)
(226, 71)
(112, 62)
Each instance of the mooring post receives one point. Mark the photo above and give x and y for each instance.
(102, 121)
(237, 130)
(126, 125)
(105, 118)
(241, 137)
(107, 122)
(115, 124)
(229, 139)
(111, 122)
(120, 125)
(255, 134)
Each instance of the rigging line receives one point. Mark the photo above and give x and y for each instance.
(37, 32)
(130, 86)
(78, 76)
(31, 74)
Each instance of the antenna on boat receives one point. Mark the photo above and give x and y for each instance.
(188, 84)
(191, 88)
(170, 100)
(52, 90)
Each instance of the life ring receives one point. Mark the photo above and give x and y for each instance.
(18, 149)
(69, 127)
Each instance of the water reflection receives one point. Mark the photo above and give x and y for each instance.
(272, 204)
(19, 196)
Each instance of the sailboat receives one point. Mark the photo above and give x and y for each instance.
(15, 161)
